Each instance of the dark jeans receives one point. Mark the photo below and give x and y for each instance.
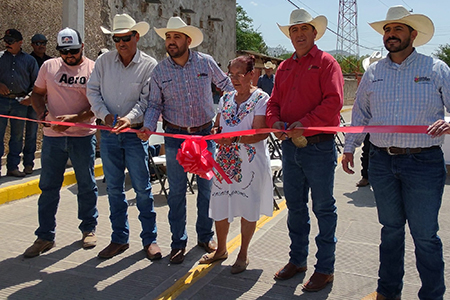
(31, 129)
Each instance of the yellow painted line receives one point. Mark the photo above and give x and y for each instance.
(346, 109)
(23, 190)
(200, 271)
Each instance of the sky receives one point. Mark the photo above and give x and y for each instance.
(267, 13)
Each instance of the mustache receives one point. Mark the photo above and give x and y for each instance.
(393, 39)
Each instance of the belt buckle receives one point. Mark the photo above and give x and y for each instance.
(388, 149)
(190, 130)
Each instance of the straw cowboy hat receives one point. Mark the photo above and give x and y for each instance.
(301, 16)
(398, 14)
(178, 25)
(374, 57)
(123, 23)
(269, 65)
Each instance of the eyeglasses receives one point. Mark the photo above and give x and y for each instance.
(125, 38)
(40, 43)
(71, 51)
(237, 76)
(10, 41)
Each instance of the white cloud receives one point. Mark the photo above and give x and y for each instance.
(254, 3)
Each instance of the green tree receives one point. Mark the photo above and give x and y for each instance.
(247, 38)
(443, 53)
(350, 64)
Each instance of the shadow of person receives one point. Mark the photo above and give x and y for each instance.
(43, 280)
(362, 197)
(293, 289)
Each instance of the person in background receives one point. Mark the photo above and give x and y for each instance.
(18, 71)
(266, 81)
(245, 160)
(308, 91)
(59, 94)
(180, 89)
(39, 45)
(407, 171)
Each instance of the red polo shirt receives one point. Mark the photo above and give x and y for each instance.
(308, 89)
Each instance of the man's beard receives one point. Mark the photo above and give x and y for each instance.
(402, 46)
(77, 60)
(178, 51)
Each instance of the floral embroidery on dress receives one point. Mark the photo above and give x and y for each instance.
(229, 108)
(229, 160)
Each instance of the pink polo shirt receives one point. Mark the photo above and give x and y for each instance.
(66, 93)
(308, 89)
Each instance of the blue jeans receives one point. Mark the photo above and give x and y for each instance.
(304, 169)
(55, 152)
(120, 151)
(11, 107)
(177, 194)
(30, 138)
(409, 188)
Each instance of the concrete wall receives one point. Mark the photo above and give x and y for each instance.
(44, 16)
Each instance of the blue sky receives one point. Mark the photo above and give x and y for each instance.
(266, 13)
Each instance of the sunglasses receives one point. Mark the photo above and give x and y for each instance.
(40, 43)
(10, 41)
(125, 38)
(71, 51)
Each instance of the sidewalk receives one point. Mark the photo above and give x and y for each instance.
(69, 272)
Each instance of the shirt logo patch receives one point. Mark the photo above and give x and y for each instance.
(202, 75)
(167, 81)
(377, 80)
(423, 79)
(313, 67)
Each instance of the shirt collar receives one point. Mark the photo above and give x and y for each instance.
(312, 52)
(190, 59)
(411, 58)
(136, 58)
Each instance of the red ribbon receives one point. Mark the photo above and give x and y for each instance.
(195, 157)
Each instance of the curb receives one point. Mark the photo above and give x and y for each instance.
(23, 190)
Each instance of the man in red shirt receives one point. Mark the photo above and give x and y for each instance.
(308, 92)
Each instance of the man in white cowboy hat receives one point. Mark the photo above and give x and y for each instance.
(114, 91)
(180, 90)
(266, 81)
(308, 91)
(406, 171)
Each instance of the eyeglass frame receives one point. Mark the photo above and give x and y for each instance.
(122, 38)
(237, 76)
(67, 51)
(39, 43)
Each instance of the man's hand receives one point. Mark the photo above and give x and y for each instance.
(293, 133)
(26, 101)
(347, 158)
(109, 120)
(280, 135)
(438, 128)
(64, 118)
(121, 124)
(142, 134)
(4, 89)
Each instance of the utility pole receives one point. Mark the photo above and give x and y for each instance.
(347, 38)
(73, 15)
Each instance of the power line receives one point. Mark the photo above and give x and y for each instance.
(383, 3)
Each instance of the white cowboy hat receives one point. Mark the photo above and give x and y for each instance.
(301, 16)
(374, 57)
(178, 25)
(398, 14)
(123, 23)
(269, 65)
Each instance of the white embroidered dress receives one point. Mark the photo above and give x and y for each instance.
(247, 165)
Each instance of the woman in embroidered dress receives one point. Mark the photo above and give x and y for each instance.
(245, 159)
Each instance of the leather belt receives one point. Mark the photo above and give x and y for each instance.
(14, 96)
(403, 151)
(322, 137)
(188, 129)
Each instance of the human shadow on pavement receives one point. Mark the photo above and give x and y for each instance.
(362, 197)
(92, 279)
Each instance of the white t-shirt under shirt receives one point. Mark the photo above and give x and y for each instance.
(66, 93)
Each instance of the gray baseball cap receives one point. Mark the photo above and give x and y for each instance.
(38, 37)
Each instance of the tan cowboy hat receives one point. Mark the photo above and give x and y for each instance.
(123, 23)
(374, 57)
(398, 14)
(301, 16)
(178, 25)
(269, 65)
